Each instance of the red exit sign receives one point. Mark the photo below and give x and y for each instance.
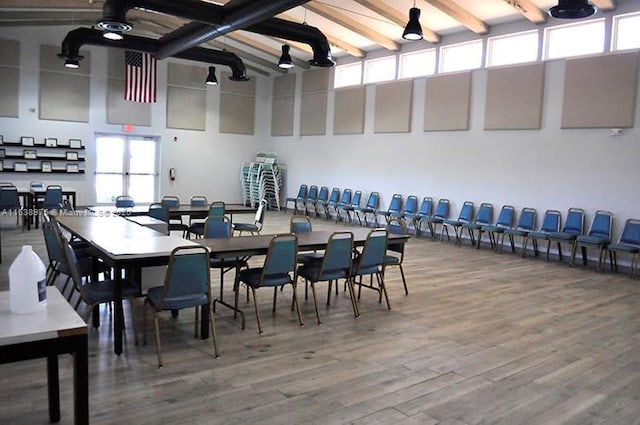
(128, 128)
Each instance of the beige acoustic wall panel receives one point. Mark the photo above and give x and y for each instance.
(64, 97)
(514, 97)
(600, 92)
(313, 81)
(237, 114)
(393, 107)
(186, 75)
(282, 104)
(349, 107)
(284, 85)
(447, 102)
(120, 111)
(9, 78)
(282, 116)
(186, 108)
(247, 88)
(313, 114)
(116, 65)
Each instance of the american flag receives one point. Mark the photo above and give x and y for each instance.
(140, 77)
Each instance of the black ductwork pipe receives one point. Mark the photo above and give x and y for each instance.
(216, 18)
(78, 37)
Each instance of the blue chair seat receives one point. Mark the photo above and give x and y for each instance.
(631, 249)
(311, 271)
(592, 240)
(102, 292)
(252, 278)
(562, 235)
(519, 232)
(154, 295)
(472, 226)
(451, 222)
(539, 235)
(492, 228)
(245, 227)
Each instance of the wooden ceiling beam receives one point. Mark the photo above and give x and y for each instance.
(352, 25)
(461, 15)
(397, 17)
(254, 44)
(529, 10)
(605, 4)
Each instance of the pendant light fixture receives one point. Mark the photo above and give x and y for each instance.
(413, 29)
(211, 77)
(285, 60)
(572, 9)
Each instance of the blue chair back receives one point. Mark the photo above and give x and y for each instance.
(54, 246)
(53, 197)
(323, 195)
(527, 220)
(125, 201)
(373, 201)
(302, 191)
(338, 253)
(426, 206)
(601, 224)
(575, 221)
(466, 212)
(187, 280)
(217, 228)
(159, 211)
(631, 232)
(199, 201)
(551, 221)
(411, 205)
(281, 256)
(442, 209)
(300, 224)
(334, 197)
(356, 198)
(216, 210)
(345, 199)
(505, 218)
(485, 213)
(9, 199)
(170, 201)
(396, 203)
(313, 192)
(374, 251)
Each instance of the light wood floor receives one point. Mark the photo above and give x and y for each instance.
(482, 338)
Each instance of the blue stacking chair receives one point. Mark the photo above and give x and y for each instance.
(394, 211)
(371, 207)
(334, 265)
(310, 200)
(216, 212)
(10, 202)
(465, 216)
(324, 205)
(175, 224)
(279, 269)
(504, 222)
(439, 216)
(187, 284)
(372, 262)
(159, 212)
(258, 221)
(344, 201)
(299, 198)
(550, 224)
(322, 198)
(125, 201)
(408, 212)
(484, 218)
(526, 224)
(573, 227)
(53, 198)
(599, 236)
(629, 243)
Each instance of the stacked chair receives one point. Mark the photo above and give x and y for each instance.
(262, 179)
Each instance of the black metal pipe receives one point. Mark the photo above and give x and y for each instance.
(76, 38)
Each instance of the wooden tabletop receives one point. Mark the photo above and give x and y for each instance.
(57, 319)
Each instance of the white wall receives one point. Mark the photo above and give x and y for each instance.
(546, 168)
(207, 162)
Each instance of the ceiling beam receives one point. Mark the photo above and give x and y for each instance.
(352, 25)
(461, 15)
(397, 17)
(605, 4)
(529, 10)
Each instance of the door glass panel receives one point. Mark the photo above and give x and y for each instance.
(142, 156)
(109, 155)
(140, 188)
(108, 187)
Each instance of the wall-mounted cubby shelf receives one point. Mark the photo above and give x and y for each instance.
(16, 157)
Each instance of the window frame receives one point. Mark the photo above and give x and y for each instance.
(433, 71)
(443, 50)
(547, 36)
(490, 47)
(347, 65)
(370, 62)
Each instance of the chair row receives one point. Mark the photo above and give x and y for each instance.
(426, 215)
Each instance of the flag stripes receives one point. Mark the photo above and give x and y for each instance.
(140, 77)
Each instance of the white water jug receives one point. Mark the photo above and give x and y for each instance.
(27, 282)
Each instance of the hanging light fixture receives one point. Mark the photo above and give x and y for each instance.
(211, 77)
(72, 63)
(413, 29)
(572, 9)
(285, 60)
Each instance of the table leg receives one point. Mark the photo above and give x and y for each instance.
(81, 381)
(54, 388)
(118, 324)
(204, 322)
